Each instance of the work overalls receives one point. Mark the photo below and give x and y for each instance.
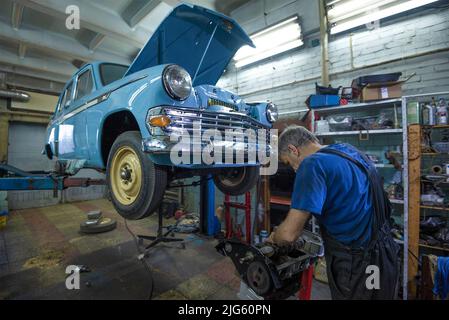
(351, 271)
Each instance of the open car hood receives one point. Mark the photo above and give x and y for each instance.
(198, 39)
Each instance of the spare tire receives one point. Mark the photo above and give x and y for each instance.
(104, 225)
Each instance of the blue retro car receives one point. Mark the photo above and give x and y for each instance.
(120, 119)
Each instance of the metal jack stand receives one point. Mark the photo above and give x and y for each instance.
(161, 237)
(241, 206)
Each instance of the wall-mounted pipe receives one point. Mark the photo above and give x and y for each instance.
(324, 40)
(351, 51)
(15, 95)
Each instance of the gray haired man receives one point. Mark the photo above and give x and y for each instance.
(340, 186)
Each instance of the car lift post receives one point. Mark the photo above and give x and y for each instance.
(207, 204)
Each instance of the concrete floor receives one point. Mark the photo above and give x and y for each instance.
(38, 244)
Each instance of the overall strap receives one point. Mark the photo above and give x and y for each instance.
(377, 192)
(347, 157)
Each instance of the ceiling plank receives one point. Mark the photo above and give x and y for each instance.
(93, 18)
(37, 64)
(172, 3)
(54, 43)
(96, 41)
(32, 83)
(227, 6)
(16, 15)
(39, 74)
(22, 50)
(137, 10)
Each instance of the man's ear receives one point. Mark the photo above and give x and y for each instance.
(293, 149)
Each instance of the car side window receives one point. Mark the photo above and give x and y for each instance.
(110, 72)
(84, 85)
(67, 98)
(58, 107)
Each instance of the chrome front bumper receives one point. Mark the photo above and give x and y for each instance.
(163, 145)
(195, 122)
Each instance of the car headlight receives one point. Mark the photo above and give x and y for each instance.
(272, 113)
(177, 82)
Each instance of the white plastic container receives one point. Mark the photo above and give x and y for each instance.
(442, 112)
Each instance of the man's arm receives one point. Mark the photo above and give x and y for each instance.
(291, 228)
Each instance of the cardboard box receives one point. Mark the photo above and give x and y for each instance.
(382, 91)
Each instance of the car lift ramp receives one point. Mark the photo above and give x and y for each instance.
(12, 178)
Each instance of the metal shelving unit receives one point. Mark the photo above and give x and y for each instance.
(412, 184)
(391, 103)
(397, 201)
(355, 133)
(411, 223)
(355, 106)
(405, 172)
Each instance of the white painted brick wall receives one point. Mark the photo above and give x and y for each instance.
(289, 79)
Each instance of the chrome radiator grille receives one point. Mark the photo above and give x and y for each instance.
(182, 118)
(216, 102)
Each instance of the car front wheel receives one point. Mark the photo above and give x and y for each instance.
(236, 181)
(135, 183)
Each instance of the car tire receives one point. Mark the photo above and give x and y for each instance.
(103, 225)
(237, 181)
(136, 184)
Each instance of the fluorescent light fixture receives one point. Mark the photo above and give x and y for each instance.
(274, 40)
(347, 14)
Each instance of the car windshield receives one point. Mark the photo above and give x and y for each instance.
(111, 72)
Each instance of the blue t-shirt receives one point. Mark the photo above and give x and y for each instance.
(336, 192)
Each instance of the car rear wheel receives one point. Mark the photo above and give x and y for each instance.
(136, 184)
(236, 181)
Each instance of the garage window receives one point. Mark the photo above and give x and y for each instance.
(85, 85)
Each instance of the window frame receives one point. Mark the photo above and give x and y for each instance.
(75, 92)
(100, 69)
(65, 105)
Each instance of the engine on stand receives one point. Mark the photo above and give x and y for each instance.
(273, 272)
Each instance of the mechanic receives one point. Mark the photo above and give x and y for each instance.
(340, 186)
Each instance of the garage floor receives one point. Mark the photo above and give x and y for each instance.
(38, 244)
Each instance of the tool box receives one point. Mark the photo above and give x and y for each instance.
(376, 78)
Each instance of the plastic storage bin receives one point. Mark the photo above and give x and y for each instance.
(318, 101)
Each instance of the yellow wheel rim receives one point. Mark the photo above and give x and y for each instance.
(126, 175)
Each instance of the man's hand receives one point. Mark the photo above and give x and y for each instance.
(291, 228)
(270, 239)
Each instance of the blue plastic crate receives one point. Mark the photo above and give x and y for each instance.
(319, 101)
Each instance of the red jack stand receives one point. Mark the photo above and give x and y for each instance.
(305, 290)
(242, 206)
